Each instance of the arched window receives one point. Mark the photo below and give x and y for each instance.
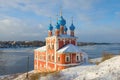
(58, 59)
(67, 58)
(52, 46)
(77, 57)
(52, 57)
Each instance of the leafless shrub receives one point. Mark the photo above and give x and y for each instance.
(105, 56)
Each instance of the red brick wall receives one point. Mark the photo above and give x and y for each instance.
(62, 59)
(51, 66)
(67, 42)
(60, 67)
(42, 65)
(61, 43)
(73, 58)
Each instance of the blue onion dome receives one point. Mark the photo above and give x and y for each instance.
(50, 27)
(72, 27)
(65, 29)
(57, 26)
(61, 21)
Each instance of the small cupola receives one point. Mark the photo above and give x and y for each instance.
(50, 28)
(72, 28)
(57, 26)
(61, 21)
(57, 30)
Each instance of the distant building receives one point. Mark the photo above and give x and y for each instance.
(61, 50)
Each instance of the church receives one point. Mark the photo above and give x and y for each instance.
(61, 50)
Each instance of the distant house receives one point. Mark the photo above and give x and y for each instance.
(61, 50)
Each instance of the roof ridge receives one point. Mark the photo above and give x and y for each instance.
(69, 48)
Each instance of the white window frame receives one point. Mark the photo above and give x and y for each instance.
(52, 57)
(77, 60)
(67, 56)
(64, 41)
(52, 46)
(58, 58)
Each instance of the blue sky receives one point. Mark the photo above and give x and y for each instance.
(95, 20)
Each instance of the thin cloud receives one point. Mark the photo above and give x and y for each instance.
(18, 28)
(45, 7)
(90, 19)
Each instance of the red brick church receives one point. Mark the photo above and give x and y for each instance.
(61, 50)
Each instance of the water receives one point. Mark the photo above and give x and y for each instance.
(96, 51)
(14, 60)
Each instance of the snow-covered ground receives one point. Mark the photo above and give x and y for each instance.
(107, 70)
(94, 60)
(10, 77)
(18, 76)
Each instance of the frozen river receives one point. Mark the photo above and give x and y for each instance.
(14, 60)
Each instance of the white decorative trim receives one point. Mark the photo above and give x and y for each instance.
(71, 57)
(49, 57)
(46, 56)
(55, 49)
(37, 59)
(67, 56)
(42, 60)
(58, 57)
(35, 55)
(64, 41)
(70, 41)
(78, 57)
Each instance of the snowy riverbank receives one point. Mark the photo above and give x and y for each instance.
(107, 70)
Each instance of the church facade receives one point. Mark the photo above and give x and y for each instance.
(61, 50)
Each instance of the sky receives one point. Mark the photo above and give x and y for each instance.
(94, 20)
